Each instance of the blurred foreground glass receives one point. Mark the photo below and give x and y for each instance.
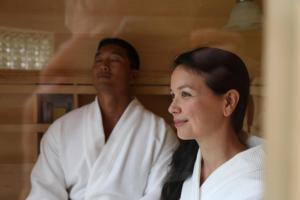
(24, 49)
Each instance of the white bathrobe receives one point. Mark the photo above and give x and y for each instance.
(240, 178)
(76, 163)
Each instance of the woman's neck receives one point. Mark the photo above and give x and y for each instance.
(216, 150)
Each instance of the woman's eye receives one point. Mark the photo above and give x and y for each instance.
(185, 94)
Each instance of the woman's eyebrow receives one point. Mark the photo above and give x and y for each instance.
(184, 86)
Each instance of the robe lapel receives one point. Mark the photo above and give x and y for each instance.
(94, 138)
(196, 177)
(111, 156)
(191, 187)
(230, 170)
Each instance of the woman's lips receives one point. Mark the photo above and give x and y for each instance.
(179, 123)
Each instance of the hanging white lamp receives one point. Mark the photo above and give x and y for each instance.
(245, 15)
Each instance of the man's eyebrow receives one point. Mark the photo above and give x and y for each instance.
(118, 53)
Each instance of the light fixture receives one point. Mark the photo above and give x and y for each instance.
(245, 15)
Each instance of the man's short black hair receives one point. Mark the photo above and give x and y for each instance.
(131, 51)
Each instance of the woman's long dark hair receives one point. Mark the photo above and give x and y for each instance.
(222, 71)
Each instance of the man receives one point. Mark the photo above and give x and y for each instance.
(111, 149)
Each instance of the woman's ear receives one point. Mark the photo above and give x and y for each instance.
(231, 99)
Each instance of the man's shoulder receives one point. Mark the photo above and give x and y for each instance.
(68, 125)
(71, 119)
(75, 113)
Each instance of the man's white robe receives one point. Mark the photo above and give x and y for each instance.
(240, 178)
(76, 163)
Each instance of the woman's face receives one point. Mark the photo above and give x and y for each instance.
(197, 111)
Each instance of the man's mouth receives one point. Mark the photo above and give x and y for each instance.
(103, 75)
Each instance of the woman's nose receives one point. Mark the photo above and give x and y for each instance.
(173, 108)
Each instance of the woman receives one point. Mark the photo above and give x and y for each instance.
(210, 89)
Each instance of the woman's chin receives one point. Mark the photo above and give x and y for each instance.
(184, 136)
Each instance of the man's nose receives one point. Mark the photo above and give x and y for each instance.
(104, 66)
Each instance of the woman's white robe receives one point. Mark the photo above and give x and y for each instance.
(240, 178)
(76, 163)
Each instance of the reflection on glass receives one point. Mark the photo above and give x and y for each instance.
(23, 49)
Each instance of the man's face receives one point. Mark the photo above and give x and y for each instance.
(111, 70)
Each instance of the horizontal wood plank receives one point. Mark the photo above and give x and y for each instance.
(76, 77)
(24, 128)
(15, 181)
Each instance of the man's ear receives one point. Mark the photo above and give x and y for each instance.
(133, 75)
(231, 99)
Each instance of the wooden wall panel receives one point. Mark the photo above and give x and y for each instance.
(17, 108)
(18, 147)
(14, 181)
(158, 104)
